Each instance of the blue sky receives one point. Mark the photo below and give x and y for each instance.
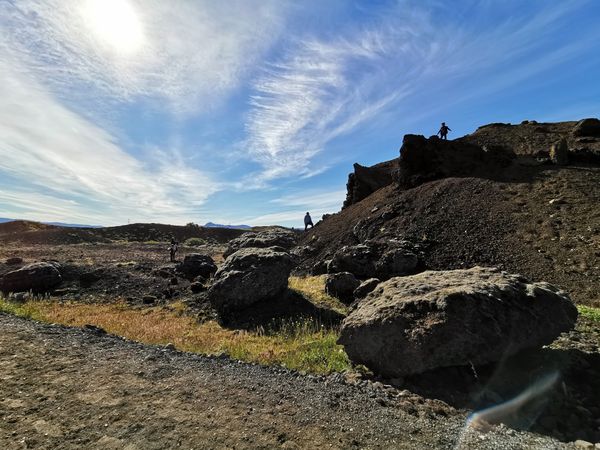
(253, 111)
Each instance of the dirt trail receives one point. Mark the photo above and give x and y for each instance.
(70, 388)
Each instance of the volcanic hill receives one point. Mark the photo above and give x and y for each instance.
(496, 197)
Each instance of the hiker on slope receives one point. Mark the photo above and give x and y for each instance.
(307, 221)
(443, 133)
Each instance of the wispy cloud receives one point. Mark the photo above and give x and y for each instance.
(52, 153)
(407, 59)
(190, 55)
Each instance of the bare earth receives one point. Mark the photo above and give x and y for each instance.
(71, 388)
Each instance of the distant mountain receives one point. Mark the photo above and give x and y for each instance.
(234, 227)
(72, 225)
(58, 224)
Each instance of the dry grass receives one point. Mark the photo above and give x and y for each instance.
(302, 345)
(313, 288)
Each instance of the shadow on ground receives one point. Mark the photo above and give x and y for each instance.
(547, 391)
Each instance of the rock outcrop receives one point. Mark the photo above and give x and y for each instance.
(409, 325)
(249, 276)
(341, 286)
(36, 277)
(197, 265)
(271, 238)
(423, 160)
(366, 180)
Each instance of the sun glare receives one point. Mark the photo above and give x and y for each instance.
(115, 23)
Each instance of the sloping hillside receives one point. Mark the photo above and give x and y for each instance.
(529, 216)
(37, 233)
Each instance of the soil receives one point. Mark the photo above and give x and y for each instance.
(76, 388)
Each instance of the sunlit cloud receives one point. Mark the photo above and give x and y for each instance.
(190, 54)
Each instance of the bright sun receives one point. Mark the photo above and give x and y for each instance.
(115, 23)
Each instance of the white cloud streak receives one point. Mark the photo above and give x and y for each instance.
(76, 169)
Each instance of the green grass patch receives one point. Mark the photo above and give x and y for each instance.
(194, 242)
(589, 313)
(27, 310)
(313, 288)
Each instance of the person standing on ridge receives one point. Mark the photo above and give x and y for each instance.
(444, 131)
(307, 221)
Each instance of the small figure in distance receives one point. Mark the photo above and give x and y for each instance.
(444, 131)
(307, 221)
(172, 249)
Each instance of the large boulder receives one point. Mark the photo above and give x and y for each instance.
(248, 276)
(341, 286)
(196, 264)
(587, 127)
(36, 277)
(409, 325)
(359, 260)
(375, 259)
(270, 238)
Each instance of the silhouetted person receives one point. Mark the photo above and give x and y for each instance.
(307, 221)
(444, 131)
(172, 250)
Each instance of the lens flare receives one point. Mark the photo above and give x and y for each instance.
(512, 410)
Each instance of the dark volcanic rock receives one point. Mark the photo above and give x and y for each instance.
(341, 286)
(559, 153)
(423, 160)
(365, 287)
(37, 277)
(272, 238)
(366, 180)
(410, 325)
(196, 264)
(396, 261)
(248, 276)
(356, 259)
(375, 259)
(587, 127)
(90, 277)
(15, 260)
(197, 287)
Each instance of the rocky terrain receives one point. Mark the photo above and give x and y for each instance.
(72, 389)
(460, 264)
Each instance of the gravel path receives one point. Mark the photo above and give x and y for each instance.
(70, 388)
